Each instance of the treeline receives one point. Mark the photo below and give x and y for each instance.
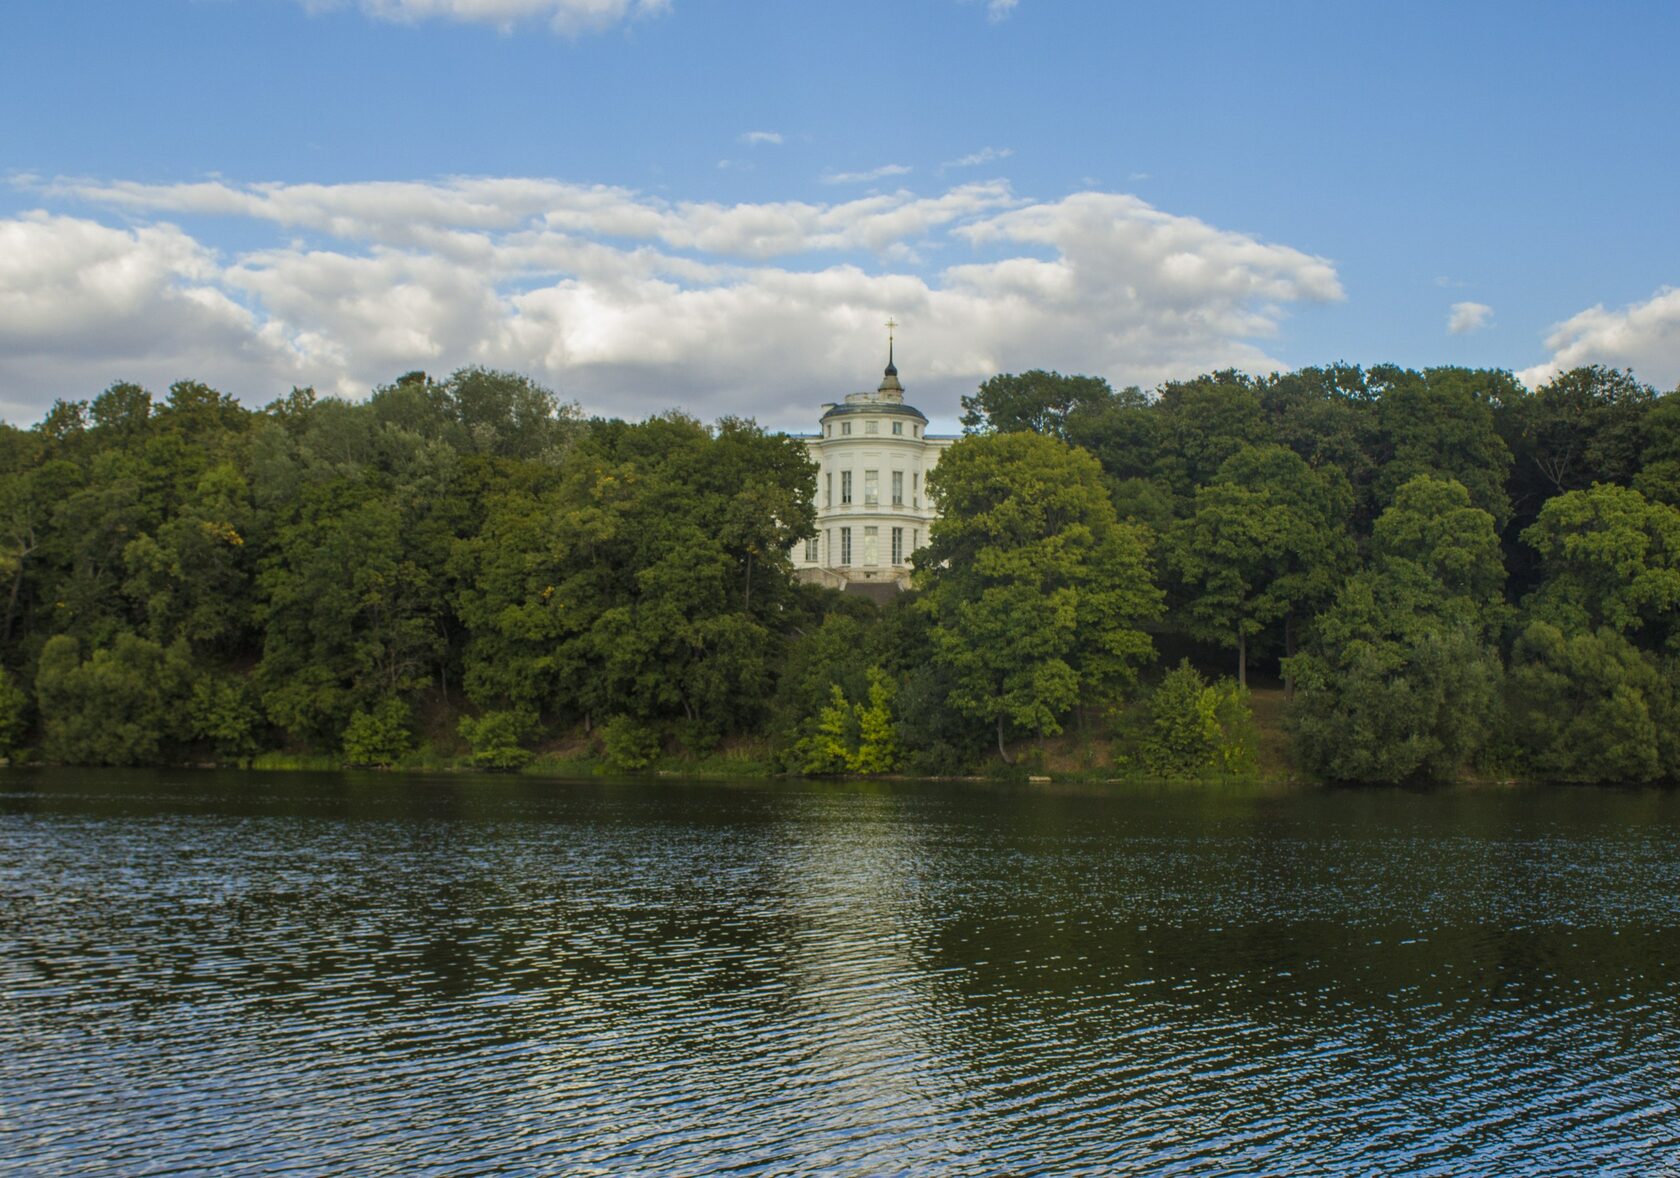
(1445, 571)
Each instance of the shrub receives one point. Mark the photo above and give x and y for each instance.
(494, 738)
(628, 743)
(379, 737)
(1197, 731)
(222, 712)
(121, 706)
(854, 738)
(1590, 708)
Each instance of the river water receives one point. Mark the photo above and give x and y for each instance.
(328, 973)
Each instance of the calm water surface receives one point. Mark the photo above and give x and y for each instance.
(388, 975)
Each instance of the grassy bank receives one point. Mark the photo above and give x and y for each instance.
(1086, 753)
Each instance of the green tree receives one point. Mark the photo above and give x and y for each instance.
(877, 750)
(1590, 707)
(1433, 525)
(650, 579)
(352, 609)
(1039, 401)
(379, 736)
(1197, 731)
(1581, 427)
(629, 743)
(1610, 557)
(1658, 476)
(1328, 416)
(495, 738)
(828, 745)
(222, 711)
(1396, 686)
(1440, 423)
(1203, 422)
(120, 706)
(1266, 542)
(1036, 591)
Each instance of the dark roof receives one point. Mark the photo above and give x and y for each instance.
(890, 410)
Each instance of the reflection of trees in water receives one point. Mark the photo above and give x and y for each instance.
(1191, 961)
(989, 978)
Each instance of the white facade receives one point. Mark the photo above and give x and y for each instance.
(873, 456)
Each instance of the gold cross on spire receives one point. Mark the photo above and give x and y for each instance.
(891, 325)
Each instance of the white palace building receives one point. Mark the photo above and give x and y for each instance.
(873, 456)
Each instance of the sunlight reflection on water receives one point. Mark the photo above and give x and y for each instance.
(330, 972)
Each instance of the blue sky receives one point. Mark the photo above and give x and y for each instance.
(656, 203)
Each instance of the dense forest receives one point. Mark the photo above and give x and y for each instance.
(1439, 573)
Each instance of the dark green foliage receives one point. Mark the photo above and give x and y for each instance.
(120, 706)
(379, 736)
(495, 738)
(628, 743)
(187, 579)
(647, 579)
(222, 711)
(835, 655)
(1196, 731)
(14, 706)
(1039, 401)
(1658, 477)
(1590, 707)
(1432, 527)
(1582, 427)
(1440, 423)
(1610, 558)
(1203, 422)
(1036, 592)
(1397, 685)
(1266, 541)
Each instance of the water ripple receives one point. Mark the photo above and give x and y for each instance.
(298, 974)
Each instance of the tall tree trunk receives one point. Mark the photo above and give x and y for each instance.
(1002, 752)
(1242, 660)
(746, 599)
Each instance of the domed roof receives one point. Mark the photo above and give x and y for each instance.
(888, 398)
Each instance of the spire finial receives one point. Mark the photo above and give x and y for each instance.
(891, 327)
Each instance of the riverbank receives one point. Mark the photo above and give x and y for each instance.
(1083, 755)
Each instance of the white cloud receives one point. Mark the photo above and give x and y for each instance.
(564, 16)
(997, 10)
(1467, 317)
(450, 214)
(762, 138)
(625, 301)
(1642, 336)
(83, 305)
(985, 155)
(879, 173)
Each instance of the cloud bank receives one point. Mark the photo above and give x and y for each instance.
(1642, 336)
(627, 302)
